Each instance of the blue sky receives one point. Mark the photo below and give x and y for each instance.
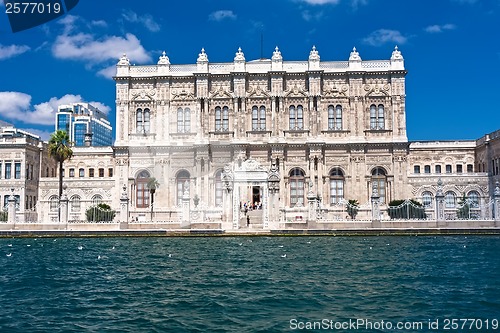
(451, 50)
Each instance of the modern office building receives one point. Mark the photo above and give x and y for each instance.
(85, 124)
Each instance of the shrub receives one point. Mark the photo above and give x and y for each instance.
(100, 213)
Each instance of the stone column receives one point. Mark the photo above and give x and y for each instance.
(63, 206)
(185, 219)
(124, 208)
(11, 208)
(312, 204)
(375, 198)
(496, 204)
(439, 203)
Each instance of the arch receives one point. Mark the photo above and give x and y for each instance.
(379, 181)
(218, 188)
(427, 199)
(182, 184)
(450, 199)
(75, 203)
(96, 199)
(297, 183)
(473, 196)
(142, 191)
(53, 203)
(337, 180)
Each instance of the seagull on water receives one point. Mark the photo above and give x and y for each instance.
(170, 255)
(308, 242)
(80, 247)
(283, 256)
(28, 245)
(280, 245)
(10, 245)
(98, 257)
(113, 248)
(9, 255)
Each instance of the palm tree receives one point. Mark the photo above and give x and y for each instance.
(152, 185)
(60, 150)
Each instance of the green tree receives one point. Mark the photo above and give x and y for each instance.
(100, 213)
(406, 209)
(60, 150)
(352, 208)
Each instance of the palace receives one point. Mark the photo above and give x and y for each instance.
(268, 135)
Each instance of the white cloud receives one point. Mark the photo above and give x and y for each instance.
(146, 19)
(221, 15)
(17, 106)
(108, 72)
(99, 23)
(439, 28)
(308, 16)
(10, 51)
(44, 135)
(382, 36)
(321, 2)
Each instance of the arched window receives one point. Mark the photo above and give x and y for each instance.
(142, 191)
(143, 121)
(53, 203)
(218, 118)
(182, 183)
(379, 182)
(450, 200)
(296, 187)
(473, 197)
(296, 117)
(183, 120)
(427, 199)
(225, 118)
(377, 117)
(96, 199)
(75, 203)
(258, 118)
(218, 188)
(334, 117)
(336, 186)
(138, 125)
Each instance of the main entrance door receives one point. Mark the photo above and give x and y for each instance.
(255, 195)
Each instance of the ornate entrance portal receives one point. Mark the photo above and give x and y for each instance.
(246, 187)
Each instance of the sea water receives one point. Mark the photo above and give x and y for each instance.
(250, 284)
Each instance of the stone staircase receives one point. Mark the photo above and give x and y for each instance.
(256, 219)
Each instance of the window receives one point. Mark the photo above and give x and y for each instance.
(379, 182)
(449, 200)
(91, 172)
(296, 187)
(0, 170)
(473, 197)
(427, 199)
(377, 117)
(101, 172)
(72, 172)
(81, 172)
(437, 168)
(142, 120)
(183, 120)
(459, 168)
(47, 172)
(53, 203)
(258, 118)
(222, 119)
(334, 117)
(17, 170)
(8, 170)
(218, 188)
(296, 117)
(416, 169)
(336, 186)
(470, 168)
(142, 189)
(75, 203)
(182, 184)
(110, 172)
(96, 199)
(448, 168)
(427, 169)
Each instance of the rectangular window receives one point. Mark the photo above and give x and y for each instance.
(72, 172)
(17, 170)
(81, 172)
(0, 170)
(416, 169)
(427, 169)
(470, 168)
(91, 172)
(101, 172)
(448, 168)
(459, 168)
(8, 170)
(438, 168)
(110, 172)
